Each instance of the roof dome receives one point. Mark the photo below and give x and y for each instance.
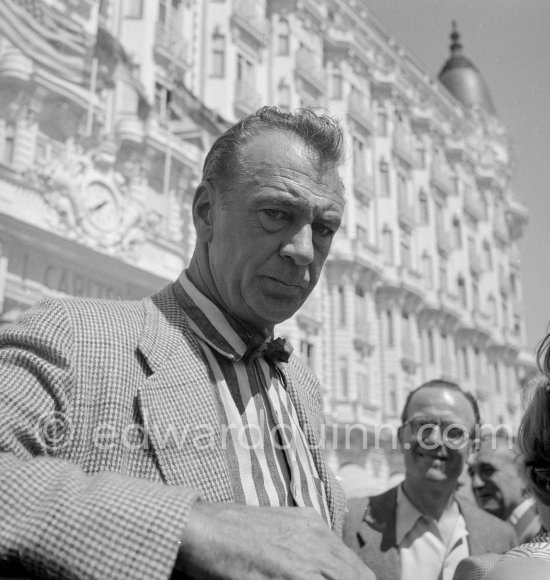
(462, 79)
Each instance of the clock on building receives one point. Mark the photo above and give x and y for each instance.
(101, 208)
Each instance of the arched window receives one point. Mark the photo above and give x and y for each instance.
(218, 55)
(283, 38)
(382, 121)
(384, 178)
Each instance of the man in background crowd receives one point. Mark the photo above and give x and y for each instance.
(420, 529)
(499, 488)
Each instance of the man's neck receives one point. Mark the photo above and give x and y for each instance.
(428, 500)
(202, 279)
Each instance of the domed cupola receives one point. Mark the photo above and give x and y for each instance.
(462, 79)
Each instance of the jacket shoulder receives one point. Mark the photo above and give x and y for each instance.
(487, 532)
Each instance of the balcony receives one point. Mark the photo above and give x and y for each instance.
(171, 47)
(130, 128)
(360, 111)
(409, 360)
(474, 206)
(363, 186)
(500, 229)
(309, 70)
(363, 337)
(444, 239)
(405, 211)
(518, 215)
(247, 98)
(249, 16)
(476, 267)
(403, 147)
(366, 255)
(441, 179)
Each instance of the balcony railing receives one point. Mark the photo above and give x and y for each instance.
(363, 185)
(406, 212)
(444, 239)
(500, 227)
(474, 206)
(173, 46)
(250, 15)
(441, 178)
(309, 69)
(360, 110)
(247, 98)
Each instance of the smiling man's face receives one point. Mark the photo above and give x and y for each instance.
(429, 461)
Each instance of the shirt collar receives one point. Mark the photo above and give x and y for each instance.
(407, 514)
(208, 321)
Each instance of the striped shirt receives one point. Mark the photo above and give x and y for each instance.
(269, 461)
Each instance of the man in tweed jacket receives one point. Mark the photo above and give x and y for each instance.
(91, 486)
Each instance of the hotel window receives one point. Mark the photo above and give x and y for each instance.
(387, 245)
(382, 121)
(218, 55)
(342, 305)
(443, 275)
(283, 38)
(360, 306)
(163, 99)
(284, 97)
(344, 387)
(358, 157)
(133, 8)
(457, 233)
(427, 270)
(9, 143)
(406, 258)
(384, 178)
(487, 255)
(307, 353)
(363, 387)
(464, 363)
(462, 295)
(392, 394)
(337, 84)
(431, 345)
(493, 309)
(475, 295)
(424, 209)
(390, 338)
(245, 70)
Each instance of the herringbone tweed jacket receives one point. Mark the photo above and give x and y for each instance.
(109, 432)
(369, 530)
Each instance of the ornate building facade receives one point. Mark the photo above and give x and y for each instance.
(108, 108)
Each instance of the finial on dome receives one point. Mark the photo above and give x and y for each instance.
(456, 46)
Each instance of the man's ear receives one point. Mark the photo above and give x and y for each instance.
(203, 211)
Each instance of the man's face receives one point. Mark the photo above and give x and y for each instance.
(271, 235)
(431, 459)
(496, 482)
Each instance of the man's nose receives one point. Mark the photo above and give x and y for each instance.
(477, 482)
(433, 437)
(300, 246)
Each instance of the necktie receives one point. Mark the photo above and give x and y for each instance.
(273, 349)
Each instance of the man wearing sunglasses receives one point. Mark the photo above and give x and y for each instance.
(420, 529)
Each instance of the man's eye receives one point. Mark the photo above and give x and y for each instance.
(275, 214)
(322, 230)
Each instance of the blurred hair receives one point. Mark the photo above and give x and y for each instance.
(534, 430)
(320, 133)
(442, 384)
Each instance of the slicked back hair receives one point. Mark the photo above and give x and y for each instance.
(442, 384)
(320, 133)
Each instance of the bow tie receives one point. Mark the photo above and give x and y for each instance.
(273, 349)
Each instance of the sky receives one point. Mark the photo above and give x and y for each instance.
(509, 43)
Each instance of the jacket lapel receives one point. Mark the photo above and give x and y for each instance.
(377, 532)
(313, 444)
(178, 405)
